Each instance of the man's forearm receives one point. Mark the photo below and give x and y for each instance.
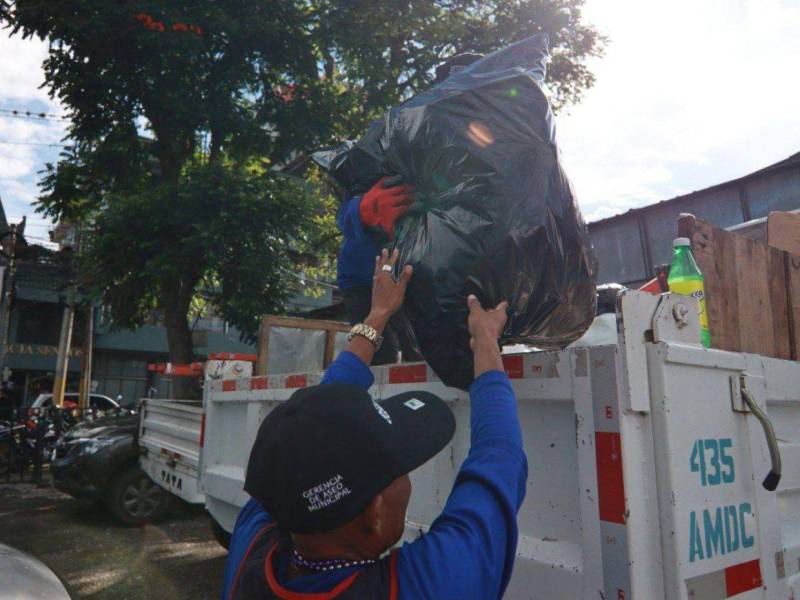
(494, 409)
(486, 355)
(361, 346)
(352, 365)
(493, 417)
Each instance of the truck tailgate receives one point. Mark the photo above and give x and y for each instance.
(169, 438)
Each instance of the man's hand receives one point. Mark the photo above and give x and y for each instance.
(485, 327)
(387, 294)
(382, 205)
(387, 298)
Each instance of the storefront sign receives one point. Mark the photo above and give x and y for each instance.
(39, 350)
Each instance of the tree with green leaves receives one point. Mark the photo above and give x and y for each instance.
(187, 116)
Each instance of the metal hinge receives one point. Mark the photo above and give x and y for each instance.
(675, 320)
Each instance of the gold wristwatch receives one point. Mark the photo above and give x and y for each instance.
(366, 331)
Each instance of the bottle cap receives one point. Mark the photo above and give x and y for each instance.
(681, 242)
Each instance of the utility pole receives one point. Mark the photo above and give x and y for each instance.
(62, 360)
(8, 296)
(65, 338)
(86, 363)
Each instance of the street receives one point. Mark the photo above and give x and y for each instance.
(175, 559)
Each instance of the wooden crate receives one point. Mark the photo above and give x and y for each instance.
(752, 290)
(331, 328)
(783, 231)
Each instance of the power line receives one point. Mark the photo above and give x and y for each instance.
(29, 114)
(32, 119)
(32, 112)
(31, 143)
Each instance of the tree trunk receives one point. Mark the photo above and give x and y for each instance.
(215, 150)
(174, 148)
(179, 338)
(330, 64)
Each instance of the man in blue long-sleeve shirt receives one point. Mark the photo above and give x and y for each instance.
(363, 220)
(329, 479)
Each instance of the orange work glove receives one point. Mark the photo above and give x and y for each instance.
(381, 206)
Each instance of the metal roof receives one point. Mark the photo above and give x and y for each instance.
(628, 246)
(791, 161)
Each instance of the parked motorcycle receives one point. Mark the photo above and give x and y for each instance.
(16, 447)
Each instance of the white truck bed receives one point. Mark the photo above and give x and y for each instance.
(170, 434)
(645, 465)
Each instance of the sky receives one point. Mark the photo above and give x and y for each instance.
(20, 160)
(689, 93)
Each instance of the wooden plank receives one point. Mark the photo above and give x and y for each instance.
(727, 298)
(330, 347)
(783, 231)
(715, 257)
(754, 319)
(299, 323)
(751, 278)
(778, 302)
(792, 270)
(747, 299)
(263, 346)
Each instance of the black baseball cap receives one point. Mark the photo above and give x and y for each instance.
(322, 456)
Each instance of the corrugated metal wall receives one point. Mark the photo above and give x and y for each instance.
(629, 246)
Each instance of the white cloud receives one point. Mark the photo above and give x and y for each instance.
(22, 69)
(689, 94)
(18, 157)
(21, 156)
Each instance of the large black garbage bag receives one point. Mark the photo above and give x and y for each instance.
(495, 215)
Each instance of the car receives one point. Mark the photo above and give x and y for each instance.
(25, 577)
(99, 461)
(56, 421)
(98, 402)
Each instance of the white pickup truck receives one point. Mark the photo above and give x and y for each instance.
(171, 435)
(647, 461)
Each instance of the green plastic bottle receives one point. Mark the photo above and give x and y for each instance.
(686, 279)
